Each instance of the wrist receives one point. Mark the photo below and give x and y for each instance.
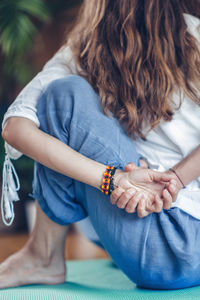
(117, 177)
(109, 179)
(177, 177)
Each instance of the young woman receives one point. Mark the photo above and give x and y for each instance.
(139, 62)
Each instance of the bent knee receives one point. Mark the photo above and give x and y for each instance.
(163, 277)
(69, 94)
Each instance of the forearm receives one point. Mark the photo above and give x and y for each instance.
(51, 152)
(189, 168)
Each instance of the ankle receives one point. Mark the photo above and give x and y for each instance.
(42, 252)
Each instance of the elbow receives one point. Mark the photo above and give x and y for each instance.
(7, 132)
(4, 134)
(17, 130)
(11, 130)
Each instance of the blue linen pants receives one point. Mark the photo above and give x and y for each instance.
(160, 251)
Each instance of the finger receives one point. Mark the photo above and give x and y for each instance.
(130, 167)
(150, 203)
(145, 213)
(125, 197)
(158, 204)
(115, 195)
(167, 199)
(141, 211)
(132, 204)
(173, 189)
(160, 176)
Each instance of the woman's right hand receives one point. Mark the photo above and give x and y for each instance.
(143, 190)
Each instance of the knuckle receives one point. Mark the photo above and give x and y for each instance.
(170, 197)
(121, 203)
(167, 203)
(175, 194)
(113, 199)
(151, 208)
(159, 205)
(167, 195)
(112, 196)
(116, 192)
(150, 204)
(140, 214)
(126, 196)
(130, 208)
(145, 213)
(173, 199)
(159, 209)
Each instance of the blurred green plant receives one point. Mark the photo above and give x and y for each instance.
(19, 22)
(16, 25)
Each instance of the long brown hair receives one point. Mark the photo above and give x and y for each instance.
(135, 53)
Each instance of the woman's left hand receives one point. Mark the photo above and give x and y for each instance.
(147, 197)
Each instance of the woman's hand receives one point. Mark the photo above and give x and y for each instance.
(143, 190)
(173, 186)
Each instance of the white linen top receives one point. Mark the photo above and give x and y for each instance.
(169, 143)
(166, 145)
(26, 102)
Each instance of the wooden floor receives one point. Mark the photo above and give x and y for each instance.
(77, 246)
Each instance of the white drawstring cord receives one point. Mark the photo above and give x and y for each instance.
(10, 186)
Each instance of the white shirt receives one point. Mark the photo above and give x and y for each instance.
(165, 146)
(26, 102)
(169, 143)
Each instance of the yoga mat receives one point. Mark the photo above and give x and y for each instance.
(95, 279)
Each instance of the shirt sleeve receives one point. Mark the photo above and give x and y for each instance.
(25, 104)
(193, 26)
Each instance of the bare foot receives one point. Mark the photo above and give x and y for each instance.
(26, 267)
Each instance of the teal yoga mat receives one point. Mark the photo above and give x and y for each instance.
(95, 279)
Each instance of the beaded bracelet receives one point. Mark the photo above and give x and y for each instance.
(107, 185)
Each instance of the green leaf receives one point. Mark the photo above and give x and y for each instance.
(16, 26)
(17, 37)
(36, 8)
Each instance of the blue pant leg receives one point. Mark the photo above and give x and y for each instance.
(147, 250)
(70, 110)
